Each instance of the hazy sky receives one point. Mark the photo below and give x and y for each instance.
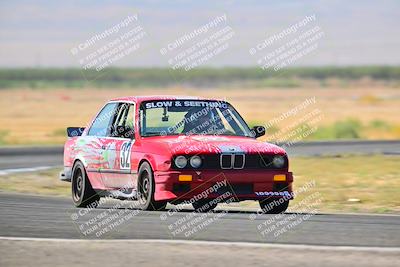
(42, 33)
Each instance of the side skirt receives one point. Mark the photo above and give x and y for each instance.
(125, 194)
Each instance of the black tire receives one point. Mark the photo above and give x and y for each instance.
(83, 194)
(146, 189)
(204, 205)
(274, 206)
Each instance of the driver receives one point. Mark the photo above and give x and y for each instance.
(197, 121)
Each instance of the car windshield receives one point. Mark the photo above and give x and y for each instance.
(191, 117)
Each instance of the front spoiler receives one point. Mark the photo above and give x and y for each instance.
(258, 181)
(66, 174)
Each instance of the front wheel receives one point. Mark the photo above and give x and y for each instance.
(146, 189)
(274, 206)
(83, 195)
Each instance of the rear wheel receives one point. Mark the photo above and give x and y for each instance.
(274, 206)
(204, 205)
(83, 194)
(146, 189)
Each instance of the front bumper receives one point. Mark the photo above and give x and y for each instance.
(66, 174)
(243, 184)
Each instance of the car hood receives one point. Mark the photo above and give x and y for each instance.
(197, 144)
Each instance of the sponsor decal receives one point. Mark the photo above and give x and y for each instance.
(210, 138)
(185, 103)
(271, 193)
(125, 155)
(230, 149)
(109, 156)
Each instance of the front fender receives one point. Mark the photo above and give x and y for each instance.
(81, 158)
(157, 162)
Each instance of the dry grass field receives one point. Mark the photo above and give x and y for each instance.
(40, 116)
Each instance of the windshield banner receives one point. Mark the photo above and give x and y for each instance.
(185, 103)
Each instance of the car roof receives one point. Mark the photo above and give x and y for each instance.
(139, 99)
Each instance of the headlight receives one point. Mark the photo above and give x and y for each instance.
(195, 161)
(278, 161)
(180, 162)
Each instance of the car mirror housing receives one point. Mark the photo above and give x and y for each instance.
(75, 131)
(258, 131)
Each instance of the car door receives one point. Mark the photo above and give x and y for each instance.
(115, 164)
(91, 144)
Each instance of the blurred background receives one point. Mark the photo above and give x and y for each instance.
(308, 71)
(323, 77)
(353, 73)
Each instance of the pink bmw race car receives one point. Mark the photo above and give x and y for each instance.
(160, 149)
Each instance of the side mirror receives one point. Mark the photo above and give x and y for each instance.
(258, 131)
(75, 131)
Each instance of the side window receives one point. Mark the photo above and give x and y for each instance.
(120, 115)
(123, 123)
(130, 122)
(102, 122)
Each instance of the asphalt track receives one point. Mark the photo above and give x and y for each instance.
(52, 217)
(48, 231)
(45, 231)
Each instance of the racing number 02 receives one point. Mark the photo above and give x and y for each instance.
(125, 155)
